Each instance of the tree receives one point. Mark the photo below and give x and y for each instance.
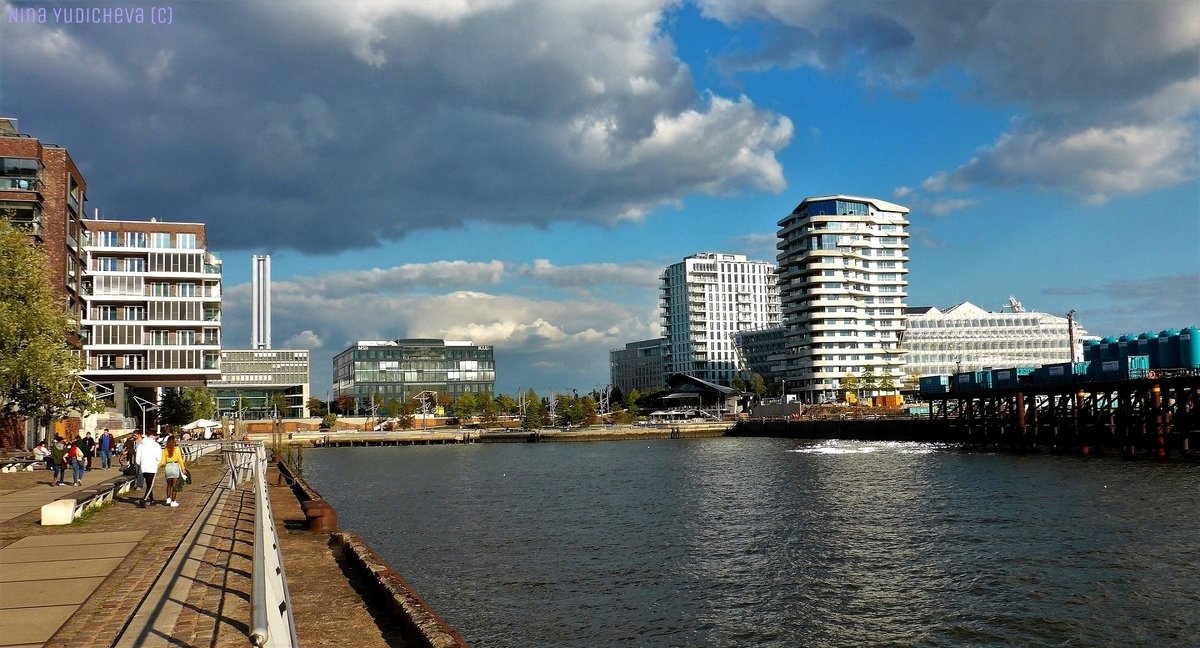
(869, 383)
(615, 398)
(345, 405)
(887, 384)
(392, 408)
(507, 404)
(202, 403)
(487, 409)
(758, 385)
(535, 412)
(174, 410)
(849, 387)
(317, 407)
(406, 416)
(279, 405)
(631, 400)
(39, 373)
(739, 384)
(466, 405)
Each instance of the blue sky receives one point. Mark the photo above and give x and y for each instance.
(518, 172)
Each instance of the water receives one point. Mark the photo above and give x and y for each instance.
(770, 542)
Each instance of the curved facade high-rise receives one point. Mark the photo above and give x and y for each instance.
(843, 265)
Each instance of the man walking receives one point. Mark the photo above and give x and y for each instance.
(107, 443)
(149, 454)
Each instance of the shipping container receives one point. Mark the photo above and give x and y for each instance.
(1009, 378)
(1189, 348)
(934, 384)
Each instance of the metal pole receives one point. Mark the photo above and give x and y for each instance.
(1071, 332)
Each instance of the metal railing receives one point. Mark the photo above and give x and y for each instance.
(271, 620)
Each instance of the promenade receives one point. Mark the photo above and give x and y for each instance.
(163, 576)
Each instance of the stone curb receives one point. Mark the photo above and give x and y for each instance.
(422, 626)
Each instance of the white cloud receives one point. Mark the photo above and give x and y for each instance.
(1111, 89)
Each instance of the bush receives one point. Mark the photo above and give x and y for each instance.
(329, 421)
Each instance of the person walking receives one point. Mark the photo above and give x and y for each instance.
(77, 459)
(108, 443)
(58, 455)
(149, 456)
(173, 466)
(89, 450)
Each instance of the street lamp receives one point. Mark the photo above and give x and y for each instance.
(146, 406)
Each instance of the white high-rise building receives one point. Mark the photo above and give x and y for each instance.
(260, 312)
(705, 300)
(842, 284)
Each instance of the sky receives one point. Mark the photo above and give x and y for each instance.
(519, 172)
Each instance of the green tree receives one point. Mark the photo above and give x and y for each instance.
(345, 405)
(850, 385)
(487, 409)
(616, 398)
(174, 410)
(202, 403)
(507, 404)
(738, 384)
(631, 400)
(887, 384)
(535, 412)
(392, 408)
(466, 405)
(317, 407)
(407, 415)
(39, 373)
(869, 382)
(279, 406)
(758, 385)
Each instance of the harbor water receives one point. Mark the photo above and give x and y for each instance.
(775, 542)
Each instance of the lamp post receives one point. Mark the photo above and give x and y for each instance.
(146, 406)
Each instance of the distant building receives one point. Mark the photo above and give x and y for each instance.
(763, 352)
(400, 370)
(638, 366)
(260, 310)
(966, 337)
(43, 192)
(251, 379)
(843, 289)
(707, 298)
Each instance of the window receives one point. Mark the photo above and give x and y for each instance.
(185, 241)
(187, 290)
(106, 264)
(135, 313)
(135, 239)
(136, 264)
(107, 239)
(106, 312)
(106, 361)
(160, 289)
(187, 337)
(160, 240)
(160, 337)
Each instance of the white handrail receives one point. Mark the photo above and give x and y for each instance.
(271, 618)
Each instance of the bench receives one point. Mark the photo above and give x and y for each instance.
(68, 509)
(17, 465)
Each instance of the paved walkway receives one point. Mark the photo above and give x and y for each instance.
(160, 576)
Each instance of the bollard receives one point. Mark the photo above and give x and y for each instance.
(320, 515)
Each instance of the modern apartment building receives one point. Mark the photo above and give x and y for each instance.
(43, 192)
(252, 379)
(842, 284)
(153, 304)
(707, 298)
(638, 366)
(401, 370)
(966, 337)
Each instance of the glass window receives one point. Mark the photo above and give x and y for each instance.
(135, 239)
(160, 240)
(136, 264)
(108, 239)
(106, 263)
(186, 241)
(187, 290)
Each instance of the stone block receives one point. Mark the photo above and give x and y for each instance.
(58, 512)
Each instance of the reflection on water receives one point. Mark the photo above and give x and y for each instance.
(768, 542)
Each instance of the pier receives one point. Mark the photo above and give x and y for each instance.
(1155, 417)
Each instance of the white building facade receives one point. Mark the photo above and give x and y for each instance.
(707, 298)
(966, 337)
(152, 304)
(843, 265)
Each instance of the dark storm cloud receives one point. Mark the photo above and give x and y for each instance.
(324, 126)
